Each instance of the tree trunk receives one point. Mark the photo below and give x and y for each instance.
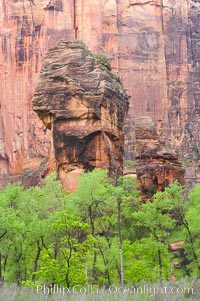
(120, 242)
(185, 223)
(1, 274)
(160, 265)
(36, 259)
(105, 263)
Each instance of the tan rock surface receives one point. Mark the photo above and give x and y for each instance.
(154, 46)
(176, 245)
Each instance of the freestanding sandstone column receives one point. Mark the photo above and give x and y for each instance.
(84, 105)
(156, 166)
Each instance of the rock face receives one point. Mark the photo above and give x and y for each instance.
(154, 46)
(84, 105)
(156, 166)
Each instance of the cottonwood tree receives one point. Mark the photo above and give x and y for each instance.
(155, 219)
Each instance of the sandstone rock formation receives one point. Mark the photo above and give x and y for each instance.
(176, 245)
(156, 166)
(84, 105)
(154, 46)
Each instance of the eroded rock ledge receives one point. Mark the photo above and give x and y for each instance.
(156, 166)
(84, 105)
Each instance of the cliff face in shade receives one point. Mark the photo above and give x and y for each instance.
(84, 105)
(156, 166)
(154, 46)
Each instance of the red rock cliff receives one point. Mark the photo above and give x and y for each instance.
(154, 46)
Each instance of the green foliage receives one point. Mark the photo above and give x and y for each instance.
(62, 262)
(116, 77)
(80, 42)
(151, 191)
(191, 225)
(144, 267)
(106, 66)
(129, 164)
(102, 58)
(49, 236)
(155, 221)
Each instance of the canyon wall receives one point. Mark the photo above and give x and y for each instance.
(153, 45)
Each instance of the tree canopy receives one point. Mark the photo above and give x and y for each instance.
(100, 234)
